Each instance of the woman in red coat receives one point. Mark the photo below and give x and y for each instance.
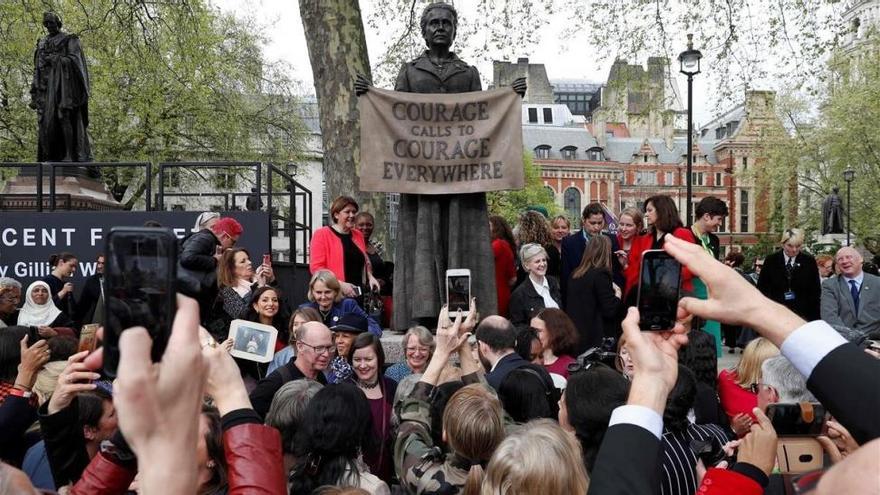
(505, 267)
(735, 386)
(341, 248)
(662, 217)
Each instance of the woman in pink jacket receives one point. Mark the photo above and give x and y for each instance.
(340, 248)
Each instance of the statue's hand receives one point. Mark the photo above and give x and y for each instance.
(519, 86)
(361, 85)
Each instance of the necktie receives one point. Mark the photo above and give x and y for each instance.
(789, 267)
(854, 290)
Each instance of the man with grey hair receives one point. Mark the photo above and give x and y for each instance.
(851, 302)
(314, 351)
(286, 411)
(781, 382)
(10, 297)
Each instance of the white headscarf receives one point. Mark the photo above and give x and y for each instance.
(37, 315)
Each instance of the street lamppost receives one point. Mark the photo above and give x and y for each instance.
(848, 175)
(690, 66)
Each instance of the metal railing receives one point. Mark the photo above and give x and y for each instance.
(291, 191)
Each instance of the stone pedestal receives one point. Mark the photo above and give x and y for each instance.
(834, 238)
(73, 191)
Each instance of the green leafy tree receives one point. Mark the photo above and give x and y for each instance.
(821, 146)
(171, 80)
(510, 204)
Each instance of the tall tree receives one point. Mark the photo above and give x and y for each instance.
(170, 80)
(338, 53)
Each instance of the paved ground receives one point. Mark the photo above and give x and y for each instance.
(728, 360)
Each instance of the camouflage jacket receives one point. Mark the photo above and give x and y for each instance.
(422, 467)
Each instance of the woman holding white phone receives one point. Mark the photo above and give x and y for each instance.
(538, 291)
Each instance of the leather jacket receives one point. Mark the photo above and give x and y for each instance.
(253, 455)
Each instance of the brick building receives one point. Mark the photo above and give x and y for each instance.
(582, 161)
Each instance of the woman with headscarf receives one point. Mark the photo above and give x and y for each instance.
(40, 311)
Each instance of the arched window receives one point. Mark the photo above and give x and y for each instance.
(542, 151)
(569, 153)
(572, 202)
(551, 192)
(595, 154)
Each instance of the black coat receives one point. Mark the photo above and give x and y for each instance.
(525, 300)
(573, 248)
(593, 307)
(628, 462)
(88, 300)
(198, 269)
(773, 283)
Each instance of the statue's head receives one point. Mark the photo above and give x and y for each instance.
(52, 22)
(442, 17)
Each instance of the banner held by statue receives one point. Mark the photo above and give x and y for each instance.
(441, 143)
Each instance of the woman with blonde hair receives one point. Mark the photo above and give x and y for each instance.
(538, 291)
(533, 228)
(560, 228)
(737, 387)
(326, 296)
(630, 224)
(538, 458)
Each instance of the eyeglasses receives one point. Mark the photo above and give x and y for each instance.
(756, 387)
(321, 349)
(417, 349)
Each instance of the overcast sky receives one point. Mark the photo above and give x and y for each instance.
(563, 59)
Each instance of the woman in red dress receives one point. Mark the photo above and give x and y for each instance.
(505, 268)
(735, 385)
(663, 218)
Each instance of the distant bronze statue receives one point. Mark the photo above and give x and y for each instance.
(60, 95)
(440, 232)
(832, 213)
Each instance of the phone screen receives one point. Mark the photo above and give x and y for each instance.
(658, 292)
(139, 288)
(458, 290)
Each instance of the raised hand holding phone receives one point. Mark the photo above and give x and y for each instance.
(658, 290)
(140, 284)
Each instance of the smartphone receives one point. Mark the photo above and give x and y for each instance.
(140, 286)
(357, 290)
(33, 335)
(458, 291)
(658, 290)
(805, 419)
(88, 337)
(267, 259)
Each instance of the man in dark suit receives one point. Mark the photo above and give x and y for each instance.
(851, 300)
(89, 308)
(791, 277)
(573, 246)
(496, 337)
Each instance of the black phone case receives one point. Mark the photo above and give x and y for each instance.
(154, 311)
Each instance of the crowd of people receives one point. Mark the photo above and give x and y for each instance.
(558, 393)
